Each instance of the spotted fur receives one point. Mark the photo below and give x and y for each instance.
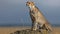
(38, 19)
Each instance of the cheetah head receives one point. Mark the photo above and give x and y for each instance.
(30, 4)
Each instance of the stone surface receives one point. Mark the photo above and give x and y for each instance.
(30, 32)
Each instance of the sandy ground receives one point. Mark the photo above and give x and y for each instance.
(56, 30)
(8, 30)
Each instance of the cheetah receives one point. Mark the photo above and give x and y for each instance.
(37, 18)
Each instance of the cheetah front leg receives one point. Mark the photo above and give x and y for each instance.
(35, 26)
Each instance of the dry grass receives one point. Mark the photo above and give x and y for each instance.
(8, 30)
(56, 30)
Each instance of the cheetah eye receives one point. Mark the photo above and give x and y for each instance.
(29, 3)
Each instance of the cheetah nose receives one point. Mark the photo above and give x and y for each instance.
(26, 4)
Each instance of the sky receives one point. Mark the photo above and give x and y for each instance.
(15, 12)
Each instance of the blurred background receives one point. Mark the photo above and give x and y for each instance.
(16, 13)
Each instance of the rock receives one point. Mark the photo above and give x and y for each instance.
(30, 32)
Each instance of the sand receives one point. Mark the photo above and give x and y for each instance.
(56, 30)
(8, 30)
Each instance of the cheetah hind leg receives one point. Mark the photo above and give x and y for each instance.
(47, 27)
